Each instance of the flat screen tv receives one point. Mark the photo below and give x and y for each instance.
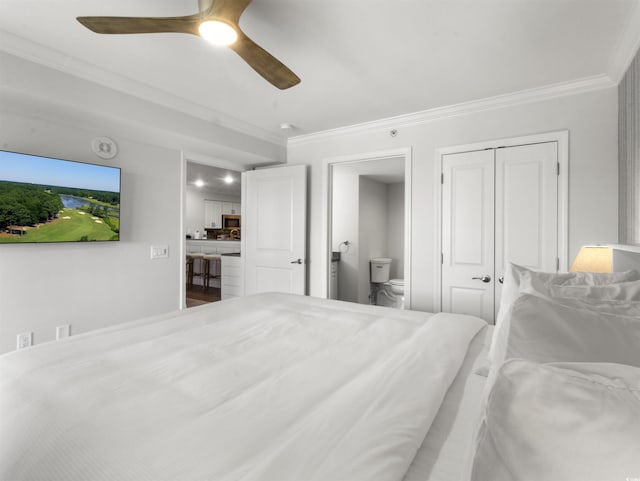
(53, 200)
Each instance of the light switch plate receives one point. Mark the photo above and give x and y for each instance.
(24, 340)
(159, 252)
(63, 331)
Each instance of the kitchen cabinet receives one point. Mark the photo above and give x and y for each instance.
(333, 283)
(230, 208)
(215, 209)
(212, 213)
(231, 284)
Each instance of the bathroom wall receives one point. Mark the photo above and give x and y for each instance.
(395, 229)
(372, 226)
(345, 228)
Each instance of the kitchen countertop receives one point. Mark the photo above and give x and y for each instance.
(213, 246)
(213, 240)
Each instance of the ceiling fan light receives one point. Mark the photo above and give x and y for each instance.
(218, 33)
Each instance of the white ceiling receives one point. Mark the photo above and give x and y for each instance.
(214, 179)
(359, 60)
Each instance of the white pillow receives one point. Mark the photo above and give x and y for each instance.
(559, 422)
(546, 331)
(592, 278)
(606, 306)
(518, 279)
(623, 291)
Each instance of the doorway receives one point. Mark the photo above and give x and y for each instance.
(211, 194)
(369, 217)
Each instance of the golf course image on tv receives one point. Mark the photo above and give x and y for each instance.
(52, 200)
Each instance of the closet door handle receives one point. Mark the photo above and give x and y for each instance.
(485, 278)
(501, 279)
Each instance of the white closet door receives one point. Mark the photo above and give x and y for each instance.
(526, 208)
(468, 233)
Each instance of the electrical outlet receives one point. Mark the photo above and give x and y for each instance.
(159, 252)
(63, 331)
(24, 340)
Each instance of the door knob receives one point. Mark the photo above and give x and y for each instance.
(485, 278)
(501, 279)
(297, 261)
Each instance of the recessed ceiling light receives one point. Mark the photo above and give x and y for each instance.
(199, 183)
(228, 179)
(218, 33)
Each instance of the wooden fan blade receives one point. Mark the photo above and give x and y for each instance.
(229, 10)
(264, 63)
(123, 25)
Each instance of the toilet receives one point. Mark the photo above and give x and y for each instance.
(397, 290)
(385, 291)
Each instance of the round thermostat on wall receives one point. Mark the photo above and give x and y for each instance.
(104, 147)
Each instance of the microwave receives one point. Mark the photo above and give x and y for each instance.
(230, 221)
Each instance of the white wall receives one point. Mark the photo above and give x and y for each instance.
(52, 94)
(194, 206)
(91, 285)
(47, 112)
(345, 228)
(629, 153)
(372, 218)
(395, 229)
(590, 117)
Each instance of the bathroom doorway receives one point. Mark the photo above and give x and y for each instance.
(369, 199)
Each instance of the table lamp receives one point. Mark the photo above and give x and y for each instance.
(593, 259)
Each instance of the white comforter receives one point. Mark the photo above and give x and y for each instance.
(272, 387)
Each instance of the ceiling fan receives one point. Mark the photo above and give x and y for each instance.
(217, 21)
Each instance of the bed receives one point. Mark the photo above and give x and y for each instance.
(279, 387)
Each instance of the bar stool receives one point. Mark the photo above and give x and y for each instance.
(196, 256)
(189, 270)
(211, 263)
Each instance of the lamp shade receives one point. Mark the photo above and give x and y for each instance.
(593, 259)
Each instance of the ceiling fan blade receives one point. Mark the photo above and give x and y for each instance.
(230, 10)
(124, 25)
(264, 63)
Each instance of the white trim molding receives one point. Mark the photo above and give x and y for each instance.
(589, 84)
(43, 55)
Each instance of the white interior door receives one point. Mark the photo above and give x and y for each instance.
(274, 229)
(526, 208)
(468, 233)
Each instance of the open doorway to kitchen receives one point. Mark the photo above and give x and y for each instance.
(369, 225)
(212, 226)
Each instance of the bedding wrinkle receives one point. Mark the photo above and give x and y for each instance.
(285, 388)
(300, 418)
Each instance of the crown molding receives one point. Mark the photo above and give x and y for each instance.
(28, 105)
(539, 94)
(48, 57)
(627, 46)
